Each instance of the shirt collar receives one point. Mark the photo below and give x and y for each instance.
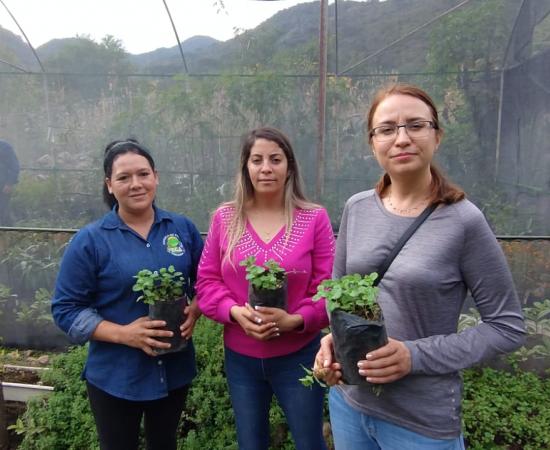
(112, 220)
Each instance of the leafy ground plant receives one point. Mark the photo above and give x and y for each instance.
(537, 317)
(62, 420)
(313, 376)
(506, 410)
(163, 285)
(5, 293)
(270, 276)
(38, 312)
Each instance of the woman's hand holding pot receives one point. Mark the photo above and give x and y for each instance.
(386, 364)
(325, 368)
(192, 314)
(141, 333)
(252, 323)
(284, 321)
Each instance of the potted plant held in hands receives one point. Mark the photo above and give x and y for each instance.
(266, 284)
(162, 290)
(356, 321)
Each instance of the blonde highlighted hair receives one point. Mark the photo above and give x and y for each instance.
(294, 197)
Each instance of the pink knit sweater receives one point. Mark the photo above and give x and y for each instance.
(307, 254)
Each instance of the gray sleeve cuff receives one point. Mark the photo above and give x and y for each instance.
(414, 356)
(84, 325)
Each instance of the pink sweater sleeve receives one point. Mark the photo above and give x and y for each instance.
(214, 298)
(322, 258)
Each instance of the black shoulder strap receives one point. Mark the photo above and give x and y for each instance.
(406, 235)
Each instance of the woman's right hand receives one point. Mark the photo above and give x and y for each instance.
(141, 333)
(252, 324)
(325, 368)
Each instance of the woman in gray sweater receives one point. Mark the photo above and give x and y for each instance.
(422, 293)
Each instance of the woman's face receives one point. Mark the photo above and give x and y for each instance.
(404, 155)
(267, 167)
(133, 183)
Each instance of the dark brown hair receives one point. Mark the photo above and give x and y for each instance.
(442, 189)
(112, 151)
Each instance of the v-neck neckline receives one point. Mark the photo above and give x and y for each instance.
(259, 239)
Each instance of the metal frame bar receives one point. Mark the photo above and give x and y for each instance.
(410, 33)
(177, 36)
(24, 35)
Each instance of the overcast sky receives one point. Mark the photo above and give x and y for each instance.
(142, 25)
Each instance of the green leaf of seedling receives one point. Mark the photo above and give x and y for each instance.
(352, 293)
(165, 284)
(309, 379)
(270, 276)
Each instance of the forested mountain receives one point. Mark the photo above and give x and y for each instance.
(362, 28)
(160, 56)
(14, 50)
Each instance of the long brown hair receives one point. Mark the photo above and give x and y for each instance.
(442, 190)
(294, 196)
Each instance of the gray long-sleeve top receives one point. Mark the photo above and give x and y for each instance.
(421, 296)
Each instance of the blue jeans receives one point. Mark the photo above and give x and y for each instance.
(252, 383)
(353, 430)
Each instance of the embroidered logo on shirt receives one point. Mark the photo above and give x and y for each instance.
(173, 244)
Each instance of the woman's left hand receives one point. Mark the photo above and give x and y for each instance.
(386, 364)
(193, 313)
(283, 320)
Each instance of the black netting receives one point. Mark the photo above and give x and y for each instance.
(485, 62)
(30, 261)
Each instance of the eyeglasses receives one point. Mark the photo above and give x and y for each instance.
(416, 130)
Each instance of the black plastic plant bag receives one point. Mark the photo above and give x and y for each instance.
(353, 338)
(274, 298)
(172, 313)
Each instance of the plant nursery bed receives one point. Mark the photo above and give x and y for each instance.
(20, 374)
(20, 383)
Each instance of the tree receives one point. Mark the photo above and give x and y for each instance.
(87, 66)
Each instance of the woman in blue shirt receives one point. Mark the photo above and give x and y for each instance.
(94, 301)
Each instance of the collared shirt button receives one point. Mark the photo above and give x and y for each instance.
(161, 380)
(148, 245)
(160, 362)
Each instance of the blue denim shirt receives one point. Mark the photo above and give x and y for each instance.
(95, 283)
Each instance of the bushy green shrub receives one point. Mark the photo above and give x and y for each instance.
(503, 410)
(63, 420)
(209, 421)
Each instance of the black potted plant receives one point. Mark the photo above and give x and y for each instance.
(266, 284)
(356, 321)
(162, 290)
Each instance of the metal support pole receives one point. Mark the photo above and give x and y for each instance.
(499, 126)
(320, 179)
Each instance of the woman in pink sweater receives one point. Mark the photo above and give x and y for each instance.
(269, 218)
